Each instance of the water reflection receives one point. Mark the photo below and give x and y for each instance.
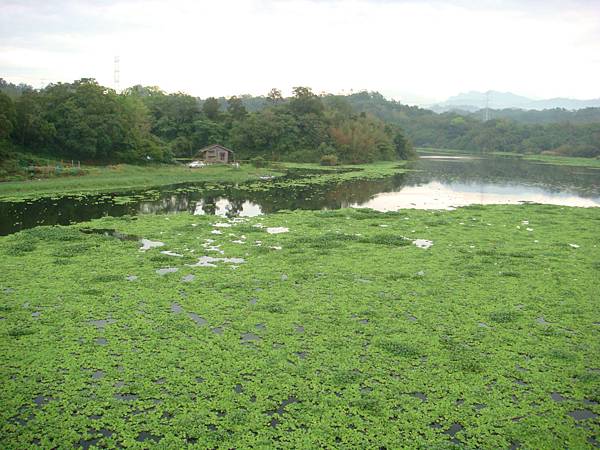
(226, 208)
(434, 183)
(437, 195)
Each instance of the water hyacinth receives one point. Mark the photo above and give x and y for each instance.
(338, 333)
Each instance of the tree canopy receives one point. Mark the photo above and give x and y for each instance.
(87, 121)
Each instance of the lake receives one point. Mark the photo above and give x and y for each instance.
(433, 182)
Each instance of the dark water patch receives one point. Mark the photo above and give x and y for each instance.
(105, 432)
(196, 318)
(249, 337)
(454, 428)
(299, 329)
(101, 323)
(93, 442)
(96, 375)
(238, 388)
(188, 278)
(126, 397)
(421, 396)
(217, 330)
(86, 444)
(557, 397)
(21, 421)
(281, 409)
(42, 400)
(176, 308)
(582, 414)
(101, 341)
(145, 436)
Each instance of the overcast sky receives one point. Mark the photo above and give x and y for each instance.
(413, 51)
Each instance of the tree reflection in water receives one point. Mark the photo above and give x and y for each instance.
(498, 180)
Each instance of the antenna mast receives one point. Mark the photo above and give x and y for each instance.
(117, 74)
(487, 106)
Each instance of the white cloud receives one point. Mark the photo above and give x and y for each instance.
(405, 49)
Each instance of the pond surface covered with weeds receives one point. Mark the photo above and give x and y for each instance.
(475, 328)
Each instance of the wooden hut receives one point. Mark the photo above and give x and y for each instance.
(215, 154)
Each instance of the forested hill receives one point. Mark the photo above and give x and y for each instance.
(575, 133)
(86, 121)
(558, 131)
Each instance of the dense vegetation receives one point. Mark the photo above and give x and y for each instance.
(544, 116)
(487, 339)
(86, 121)
(467, 131)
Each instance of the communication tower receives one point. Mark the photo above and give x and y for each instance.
(117, 74)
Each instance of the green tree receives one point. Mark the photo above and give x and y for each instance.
(8, 116)
(235, 107)
(274, 96)
(305, 101)
(211, 108)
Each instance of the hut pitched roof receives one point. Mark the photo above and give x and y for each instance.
(215, 147)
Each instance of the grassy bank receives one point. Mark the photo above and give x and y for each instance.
(547, 159)
(337, 332)
(128, 177)
(125, 177)
(564, 160)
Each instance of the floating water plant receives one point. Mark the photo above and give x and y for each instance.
(337, 334)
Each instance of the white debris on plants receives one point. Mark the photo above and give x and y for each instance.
(277, 230)
(170, 253)
(209, 261)
(422, 243)
(147, 244)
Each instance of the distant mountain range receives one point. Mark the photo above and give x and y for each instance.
(474, 100)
